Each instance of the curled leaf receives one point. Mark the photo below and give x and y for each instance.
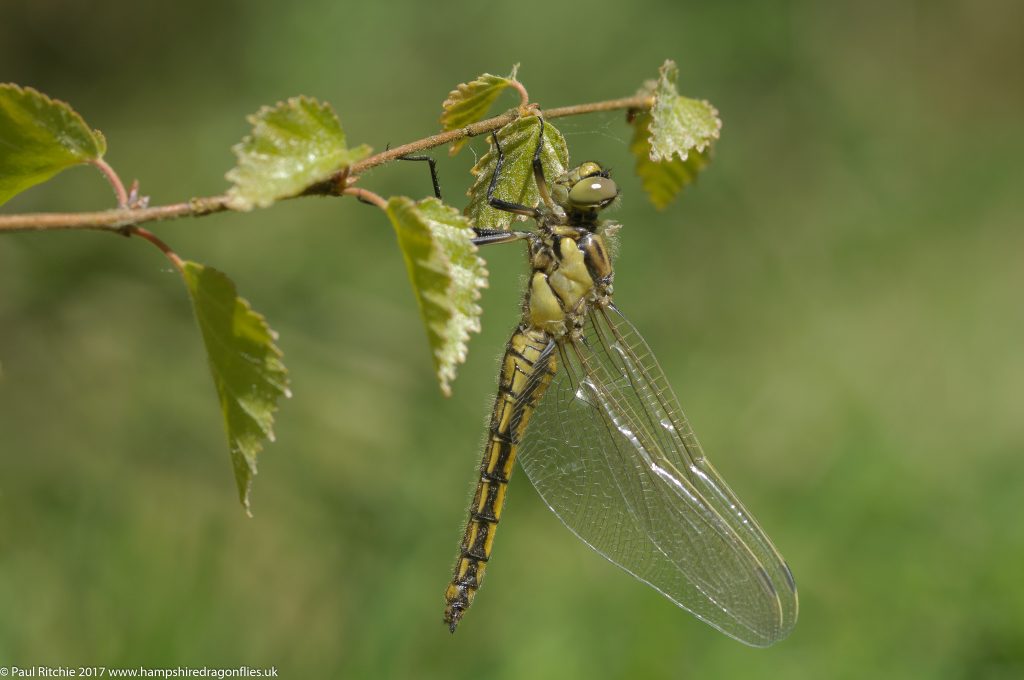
(663, 180)
(516, 183)
(446, 274)
(293, 146)
(679, 124)
(245, 364)
(469, 102)
(39, 137)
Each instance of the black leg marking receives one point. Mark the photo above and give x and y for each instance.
(497, 203)
(485, 237)
(433, 170)
(538, 169)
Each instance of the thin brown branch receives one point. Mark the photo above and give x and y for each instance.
(485, 126)
(117, 220)
(440, 139)
(640, 101)
(112, 220)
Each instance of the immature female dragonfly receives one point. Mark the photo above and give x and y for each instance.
(599, 432)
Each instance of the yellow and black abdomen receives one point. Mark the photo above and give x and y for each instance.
(527, 368)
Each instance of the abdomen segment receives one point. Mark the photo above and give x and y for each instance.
(529, 364)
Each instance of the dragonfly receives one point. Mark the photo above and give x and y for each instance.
(584, 406)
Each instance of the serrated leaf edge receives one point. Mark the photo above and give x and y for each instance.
(462, 93)
(481, 170)
(665, 88)
(101, 140)
(440, 263)
(282, 384)
(237, 201)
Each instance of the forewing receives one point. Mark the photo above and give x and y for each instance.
(613, 456)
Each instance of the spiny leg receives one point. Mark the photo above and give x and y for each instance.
(497, 203)
(486, 237)
(433, 170)
(538, 169)
(490, 236)
(483, 236)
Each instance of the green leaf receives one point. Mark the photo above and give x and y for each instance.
(679, 124)
(39, 137)
(293, 146)
(518, 142)
(469, 103)
(245, 363)
(665, 179)
(446, 275)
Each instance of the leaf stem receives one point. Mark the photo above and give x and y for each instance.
(164, 248)
(366, 196)
(114, 179)
(524, 96)
(118, 220)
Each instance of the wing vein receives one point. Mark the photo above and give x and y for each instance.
(612, 454)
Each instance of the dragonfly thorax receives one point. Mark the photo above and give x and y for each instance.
(571, 271)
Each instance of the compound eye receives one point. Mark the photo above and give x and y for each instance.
(593, 192)
(589, 169)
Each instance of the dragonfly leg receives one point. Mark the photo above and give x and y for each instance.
(486, 237)
(538, 169)
(433, 170)
(497, 203)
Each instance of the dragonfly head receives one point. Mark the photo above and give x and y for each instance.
(586, 189)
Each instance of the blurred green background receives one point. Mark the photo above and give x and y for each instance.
(837, 303)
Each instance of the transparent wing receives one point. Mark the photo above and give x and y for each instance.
(613, 456)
